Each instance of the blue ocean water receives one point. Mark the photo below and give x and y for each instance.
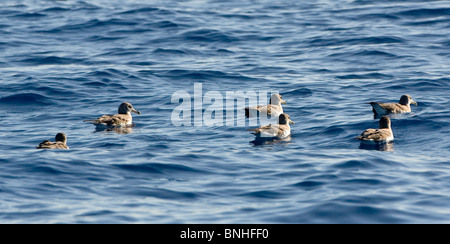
(66, 61)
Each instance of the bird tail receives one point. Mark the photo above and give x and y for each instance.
(377, 109)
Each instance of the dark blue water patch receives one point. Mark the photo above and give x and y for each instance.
(10, 12)
(353, 164)
(360, 182)
(85, 6)
(156, 192)
(158, 168)
(95, 84)
(165, 24)
(124, 33)
(326, 213)
(114, 86)
(142, 168)
(148, 11)
(374, 75)
(28, 16)
(14, 44)
(91, 24)
(107, 73)
(49, 89)
(309, 184)
(426, 124)
(141, 10)
(141, 63)
(202, 75)
(365, 53)
(98, 38)
(424, 13)
(421, 83)
(56, 10)
(245, 17)
(355, 41)
(333, 130)
(264, 194)
(96, 213)
(123, 51)
(257, 38)
(377, 16)
(51, 60)
(226, 51)
(370, 2)
(208, 35)
(110, 145)
(30, 215)
(298, 92)
(46, 170)
(169, 51)
(28, 99)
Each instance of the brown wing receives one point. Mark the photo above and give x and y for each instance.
(259, 129)
(111, 120)
(395, 107)
(375, 134)
(52, 145)
(271, 130)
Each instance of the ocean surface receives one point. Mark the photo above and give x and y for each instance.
(62, 62)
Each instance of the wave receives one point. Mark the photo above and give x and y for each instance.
(156, 192)
(309, 184)
(355, 41)
(365, 53)
(202, 75)
(158, 168)
(208, 35)
(348, 164)
(29, 16)
(164, 24)
(51, 60)
(264, 194)
(169, 51)
(56, 9)
(301, 92)
(147, 10)
(425, 13)
(91, 24)
(141, 10)
(374, 75)
(27, 99)
(99, 38)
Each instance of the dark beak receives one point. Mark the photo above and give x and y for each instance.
(135, 111)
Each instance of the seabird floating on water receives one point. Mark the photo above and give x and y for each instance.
(403, 106)
(122, 118)
(280, 130)
(274, 107)
(383, 134)
(60, 143)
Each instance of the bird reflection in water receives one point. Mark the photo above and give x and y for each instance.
(260, 141)
(126, 129)
(389, 147)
